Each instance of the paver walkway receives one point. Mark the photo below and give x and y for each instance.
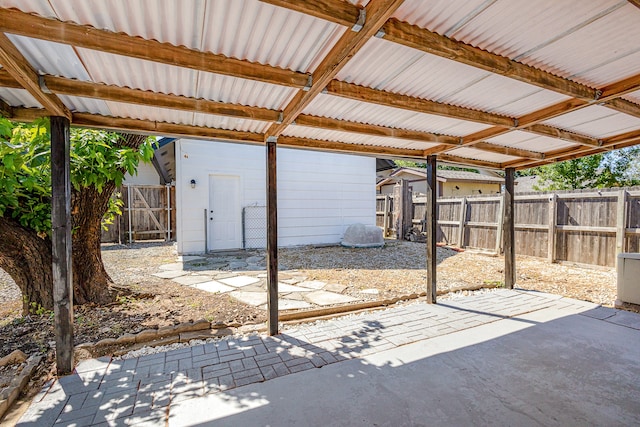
(243, 276)
(145, 390)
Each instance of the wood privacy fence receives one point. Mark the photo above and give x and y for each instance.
(587, 226)
(148, 214)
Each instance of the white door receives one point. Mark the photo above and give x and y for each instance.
(224, 216)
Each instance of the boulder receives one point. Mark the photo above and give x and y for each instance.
(14, 358)
(363, 236)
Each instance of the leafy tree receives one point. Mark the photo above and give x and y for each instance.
(99, 161)
(613, 169)
(411, 164)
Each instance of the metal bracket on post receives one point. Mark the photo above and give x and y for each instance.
(43, 84)
(362, 17)
(272, 139)
(280, 117)
(307, 88)
(380, 34)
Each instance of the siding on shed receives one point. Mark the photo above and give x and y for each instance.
(146, 174)
(319, 194)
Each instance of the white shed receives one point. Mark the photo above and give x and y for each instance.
(221, 195)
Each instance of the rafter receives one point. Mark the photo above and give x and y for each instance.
(105, 92)
(374, 150)
(564, 135)
(388, 99)
(465, 161)
(374, 130)
(624, 106)
(16, 22)
(20, 69)
(377, 12)
(6, 110)
(508, 151)
(338, 12)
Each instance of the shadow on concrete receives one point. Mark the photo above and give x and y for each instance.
(575, 370)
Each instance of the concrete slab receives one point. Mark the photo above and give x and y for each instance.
(290, 304)
(573, 370)
(187, 258)
(327, 298)
(214, 287)
(252, 298)
(170, 274)
(313, 284)
(239, 281)
(625, 318)
(191, 280)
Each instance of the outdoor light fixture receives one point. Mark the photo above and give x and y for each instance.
(193, 183)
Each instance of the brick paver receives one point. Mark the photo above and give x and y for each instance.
(141, 390)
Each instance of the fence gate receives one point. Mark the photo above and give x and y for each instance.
(148, 214)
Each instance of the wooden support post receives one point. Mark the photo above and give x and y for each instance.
(398, 208)
(500, 215)
(509, 230)
(552, 233)
(431, 222)
(272, 237)
(463, 220)
(385, 217)
(61, 244)
(621, 223)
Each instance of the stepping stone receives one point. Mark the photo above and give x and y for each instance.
(214, 287)
(327, 298)
(286, 288)
(170, 274)
(295, 296)
(173, 266)
(370, 291)
(239, 281)
(251, 298)
(187, 258)
(191, 280)
(290, 281)
(313, 284)
(334, 287)
(235, 265)
(289, 304)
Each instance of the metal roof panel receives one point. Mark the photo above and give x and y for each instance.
(596, 121)
(18, 98)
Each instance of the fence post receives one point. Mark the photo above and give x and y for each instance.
(168, 213)
(499, 230)
(621, 223)
(385, 217)
(401, 208)
(129, 211)
(463, 219)
(552, 233)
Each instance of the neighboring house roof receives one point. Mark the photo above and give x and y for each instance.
(442, 175)
(385, 164)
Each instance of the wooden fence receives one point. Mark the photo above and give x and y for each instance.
(148, 214)
(586, 227)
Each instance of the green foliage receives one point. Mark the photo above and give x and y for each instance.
(25, 169)
(615, 169)
(410, 164)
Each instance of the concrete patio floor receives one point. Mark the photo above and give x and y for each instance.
(499, 358)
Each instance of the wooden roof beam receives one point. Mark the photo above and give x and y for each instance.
(465, 161)
(388, 99)
(564, 135)
(84, 36)
(624, 106)
(19, 68)
(508, 151)
(338, 12)
(374, 130)
(377, 12)
(435, 44)
(6, 110)
(342, 147)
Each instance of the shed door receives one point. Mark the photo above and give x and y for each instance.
(225, 217)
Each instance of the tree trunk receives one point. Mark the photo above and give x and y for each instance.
(27, 259)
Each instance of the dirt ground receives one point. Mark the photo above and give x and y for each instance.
(397, 269)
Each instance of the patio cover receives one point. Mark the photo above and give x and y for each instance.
(502, 84)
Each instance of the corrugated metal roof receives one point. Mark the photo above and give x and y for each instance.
(354, 138)
(143, 112)
(633, 97)
(267, 34)
(475, 154)
(41, 7)
(346, 109)
(86, 105)
(530, 141)
(441, 16)
(18, 98)
(231, 123)
(596, 121)
(64, 63)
